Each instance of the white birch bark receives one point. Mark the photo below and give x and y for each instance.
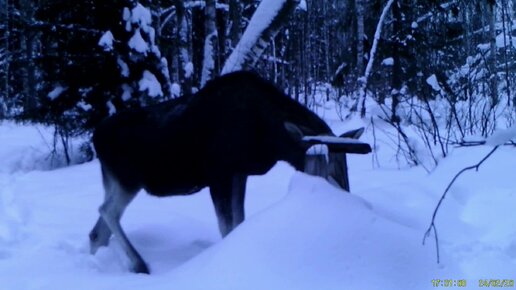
(364, 79)
(267, 20)
(210, 43)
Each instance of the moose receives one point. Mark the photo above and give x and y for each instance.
(238, 125)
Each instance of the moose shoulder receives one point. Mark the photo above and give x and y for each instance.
(237, 125)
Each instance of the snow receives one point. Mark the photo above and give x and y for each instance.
(111, 108)
(124, 68)
(502, 136)
(56, 92)
(106, 41)
(150, 83)
(300, 232)
(302, 5)
(140, 19)
(127, 92)
(176, 90)
(318, 149)
(261, 19)
(208, 59)
(503, 40)
(332, 139)
(84, 106)
(141, 16)
(483, 47)
(138, 43)
(388, 61)
(432, 81)
(126, 14)
(189, 69)
(377, 36)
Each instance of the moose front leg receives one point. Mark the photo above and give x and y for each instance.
(338, 170)
(111, 212)
(227, 194)
(99, 236)
(237, 199)
(116, 200)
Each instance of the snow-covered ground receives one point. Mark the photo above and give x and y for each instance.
(301, 232)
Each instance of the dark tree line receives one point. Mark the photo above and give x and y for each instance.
(55, 70)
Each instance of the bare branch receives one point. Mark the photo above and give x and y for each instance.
(432, 223)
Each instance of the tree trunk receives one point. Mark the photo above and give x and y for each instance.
(493, 81)
(396, 68)
(4, 59)
(210, 42)
(359, 6)
(185, 63)
(27, 47)
(505, 50)
(372, 55)
(235, 16)
(267, 20)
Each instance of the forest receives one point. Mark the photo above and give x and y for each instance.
(442, 69)
(427, 85)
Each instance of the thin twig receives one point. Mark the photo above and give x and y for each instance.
(375, 155)
(478, 143)
(432, 223)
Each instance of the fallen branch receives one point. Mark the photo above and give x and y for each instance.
(432, 223)
(479, 143)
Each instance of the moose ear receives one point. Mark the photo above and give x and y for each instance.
(294, 130)
(353, 134)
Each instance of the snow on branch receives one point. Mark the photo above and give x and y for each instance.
(266, 22)
(377, 35)
(106, 41)
(363, 80)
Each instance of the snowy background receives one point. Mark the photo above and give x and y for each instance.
(443, 80)
(300, 231)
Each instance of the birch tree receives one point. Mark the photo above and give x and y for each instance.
(210, 42)
(359, 7)
(364, 80)
(235, 19)
(183, 40)
(491, 15)
(267, 20)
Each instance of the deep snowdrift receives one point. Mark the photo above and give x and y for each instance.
(301, 232)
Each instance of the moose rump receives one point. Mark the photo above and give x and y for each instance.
(237, 125)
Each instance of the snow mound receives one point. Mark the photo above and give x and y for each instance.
(12, 217)
(501, 136)
(317, 237)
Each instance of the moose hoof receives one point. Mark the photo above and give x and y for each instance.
(140, 268)
(95, 244)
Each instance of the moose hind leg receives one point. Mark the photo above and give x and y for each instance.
(117, 199)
